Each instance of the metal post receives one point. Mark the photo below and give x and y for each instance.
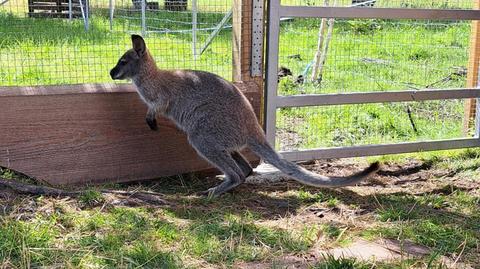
(70, 15)
(272, 70)
(216, 31)
(87, 8)
(112, 10)
(194, 29)
(144, 19)
(84, 10)
(257, 39)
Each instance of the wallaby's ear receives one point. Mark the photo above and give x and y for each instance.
(139, 45)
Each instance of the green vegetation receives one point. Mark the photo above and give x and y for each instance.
(258, 224)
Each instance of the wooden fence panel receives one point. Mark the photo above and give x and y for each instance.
(91, 134)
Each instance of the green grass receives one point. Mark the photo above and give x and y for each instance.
(257, 224)
(140, 237)
(455, 222)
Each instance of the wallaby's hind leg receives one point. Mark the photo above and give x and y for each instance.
(233, 173)
(242, 163)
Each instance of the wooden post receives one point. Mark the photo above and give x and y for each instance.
(473, 68)
(242, 49)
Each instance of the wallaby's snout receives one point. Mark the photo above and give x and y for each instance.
(113, 73)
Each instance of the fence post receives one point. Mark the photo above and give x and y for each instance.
(194, 31)
(144, 19)
(473, 75)
(242, 23)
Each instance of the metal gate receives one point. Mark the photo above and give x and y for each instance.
(274, 101)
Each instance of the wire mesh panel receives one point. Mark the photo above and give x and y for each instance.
(349, 84)
(366, 124)
(50, 46)
(374, 55)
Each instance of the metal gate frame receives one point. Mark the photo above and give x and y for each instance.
(273, 101)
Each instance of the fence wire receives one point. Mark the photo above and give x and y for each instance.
(42, 44)
(371, 55)
(366, 124)
(374, 55)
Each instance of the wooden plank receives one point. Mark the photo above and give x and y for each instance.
(93, 134)
(52, 15)
(62, 89)
(58, 9)
(242, 46)
(378, 13)
(30, 2)
(472, 75)
(50, 1)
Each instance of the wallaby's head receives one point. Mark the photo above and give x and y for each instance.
(128, 64)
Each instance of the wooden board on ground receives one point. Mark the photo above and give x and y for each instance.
(92, 134)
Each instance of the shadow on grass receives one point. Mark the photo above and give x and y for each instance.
(436, 219)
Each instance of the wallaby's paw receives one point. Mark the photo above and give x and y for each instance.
(210, 193)
(152, 123)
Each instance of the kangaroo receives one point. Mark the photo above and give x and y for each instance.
(216, 117)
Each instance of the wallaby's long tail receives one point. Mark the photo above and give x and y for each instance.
(266, 152)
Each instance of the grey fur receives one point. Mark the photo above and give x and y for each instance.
(216, 117)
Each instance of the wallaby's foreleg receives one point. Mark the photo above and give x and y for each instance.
(242, 163)
(224, 162)
(151, 119)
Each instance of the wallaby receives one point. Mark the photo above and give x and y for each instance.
(216, 117)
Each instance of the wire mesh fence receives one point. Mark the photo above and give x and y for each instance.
(47, 42)
(371, 55)
(354, 125)
(374, 55)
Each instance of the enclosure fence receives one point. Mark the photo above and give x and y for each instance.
(59, 42)
(349, 77)
(361, 78)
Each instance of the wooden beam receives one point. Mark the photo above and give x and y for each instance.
(91, 134)
(242, 46)
(472, 75)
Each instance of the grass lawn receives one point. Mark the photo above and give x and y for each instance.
(431, 201)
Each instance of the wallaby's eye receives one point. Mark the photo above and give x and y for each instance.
(123, 61)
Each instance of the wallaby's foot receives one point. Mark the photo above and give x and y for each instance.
(225, 186)
(152, 123)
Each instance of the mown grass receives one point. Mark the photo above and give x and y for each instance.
(259, 224)
(140, 237)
